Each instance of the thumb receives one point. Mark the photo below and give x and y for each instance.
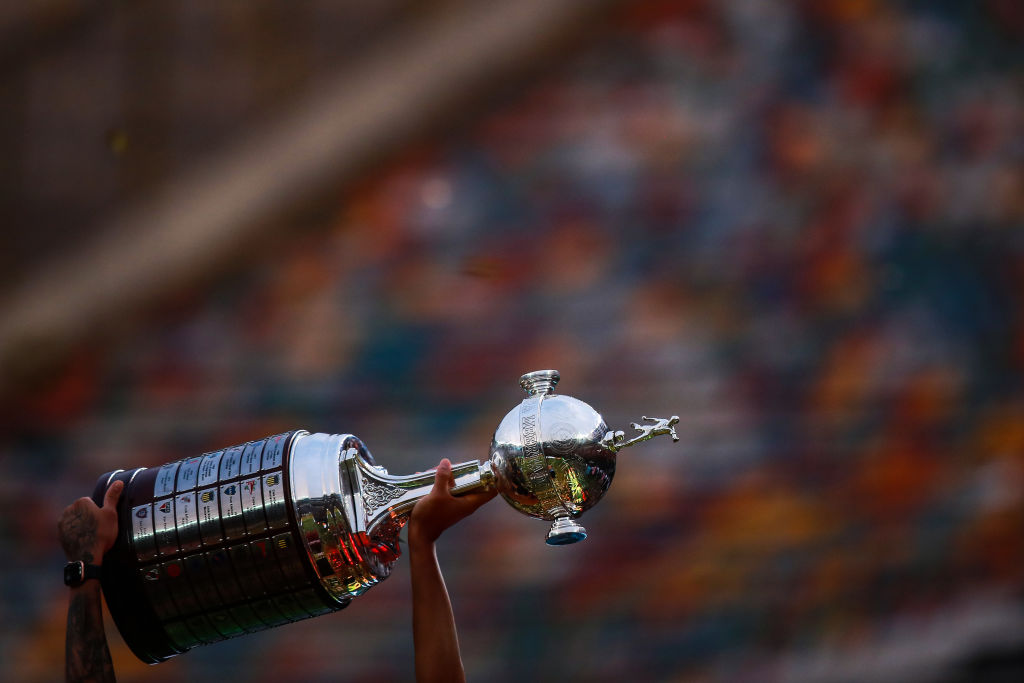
(443, 477)
(113, 494)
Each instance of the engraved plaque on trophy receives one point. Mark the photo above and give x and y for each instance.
(296, 525)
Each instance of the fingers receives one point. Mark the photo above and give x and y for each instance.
(113, 494)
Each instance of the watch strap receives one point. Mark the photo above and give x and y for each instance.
(77, 573)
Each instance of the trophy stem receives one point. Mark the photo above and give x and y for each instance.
(388, 499)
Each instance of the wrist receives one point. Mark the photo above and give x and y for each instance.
(88, 557)
(86, 586)
(419, 539)
(78, 573)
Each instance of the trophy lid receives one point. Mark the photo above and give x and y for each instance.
(539, 382)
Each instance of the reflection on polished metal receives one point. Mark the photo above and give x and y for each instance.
(296, 525)
(351, 510)
(554, 457)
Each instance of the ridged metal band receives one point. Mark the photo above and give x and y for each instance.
(535, 459)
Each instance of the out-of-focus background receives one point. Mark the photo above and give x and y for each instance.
(796, 224)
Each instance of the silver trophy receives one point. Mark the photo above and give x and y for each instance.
(296, 525)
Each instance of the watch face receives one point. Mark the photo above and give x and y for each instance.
(73, 573)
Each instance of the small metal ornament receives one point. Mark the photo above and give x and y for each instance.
(296, 525)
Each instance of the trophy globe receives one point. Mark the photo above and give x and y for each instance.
(553, 456)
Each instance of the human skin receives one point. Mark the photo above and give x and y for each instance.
(86, 533)
(433, 622)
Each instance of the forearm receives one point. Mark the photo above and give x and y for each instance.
(433, 623)
(87, 657)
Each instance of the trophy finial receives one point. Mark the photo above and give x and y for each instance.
(616, 440)
(539, 382)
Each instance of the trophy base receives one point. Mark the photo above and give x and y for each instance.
(564, 531)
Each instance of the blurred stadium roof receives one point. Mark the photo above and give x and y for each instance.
(147, 142)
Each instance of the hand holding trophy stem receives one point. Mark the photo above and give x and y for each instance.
(296, 525)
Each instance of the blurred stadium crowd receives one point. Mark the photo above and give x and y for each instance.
(795, 224)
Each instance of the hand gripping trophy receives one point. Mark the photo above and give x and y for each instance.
(296, 525)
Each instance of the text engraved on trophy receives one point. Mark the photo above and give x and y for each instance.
(230, 461)
(209, 516)
(164, 484)
(274, 500)
(187, 474)
(273, 452)
(231, 511)
(142, 532)
(528, 433)
(185, 520)
(376, 495)
(252, 505)
(251, 457)
(164, 528)
(208, 469)
(533, 458)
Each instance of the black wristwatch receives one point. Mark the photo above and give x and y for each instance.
(77, 573)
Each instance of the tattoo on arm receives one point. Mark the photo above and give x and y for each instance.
(87, 657)
(78, 535)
